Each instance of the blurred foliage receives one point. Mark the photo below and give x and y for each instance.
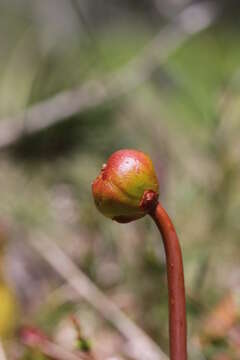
(186, 117)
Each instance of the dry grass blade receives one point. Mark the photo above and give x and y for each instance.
(140, 345)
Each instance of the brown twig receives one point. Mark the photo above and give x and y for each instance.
(176, 295)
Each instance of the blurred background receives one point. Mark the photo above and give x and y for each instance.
(80, 79)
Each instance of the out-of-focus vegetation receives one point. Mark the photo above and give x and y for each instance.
(186, 116)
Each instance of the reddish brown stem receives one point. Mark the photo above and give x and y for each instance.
(176, 291)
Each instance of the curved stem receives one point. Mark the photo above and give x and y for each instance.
(176, 290)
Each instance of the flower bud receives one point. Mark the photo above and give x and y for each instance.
(125, 186)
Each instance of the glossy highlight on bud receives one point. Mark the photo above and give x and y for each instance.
(122, 185)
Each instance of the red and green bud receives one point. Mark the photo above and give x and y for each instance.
(119, 191)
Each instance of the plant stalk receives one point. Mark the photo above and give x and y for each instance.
(176, 290)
